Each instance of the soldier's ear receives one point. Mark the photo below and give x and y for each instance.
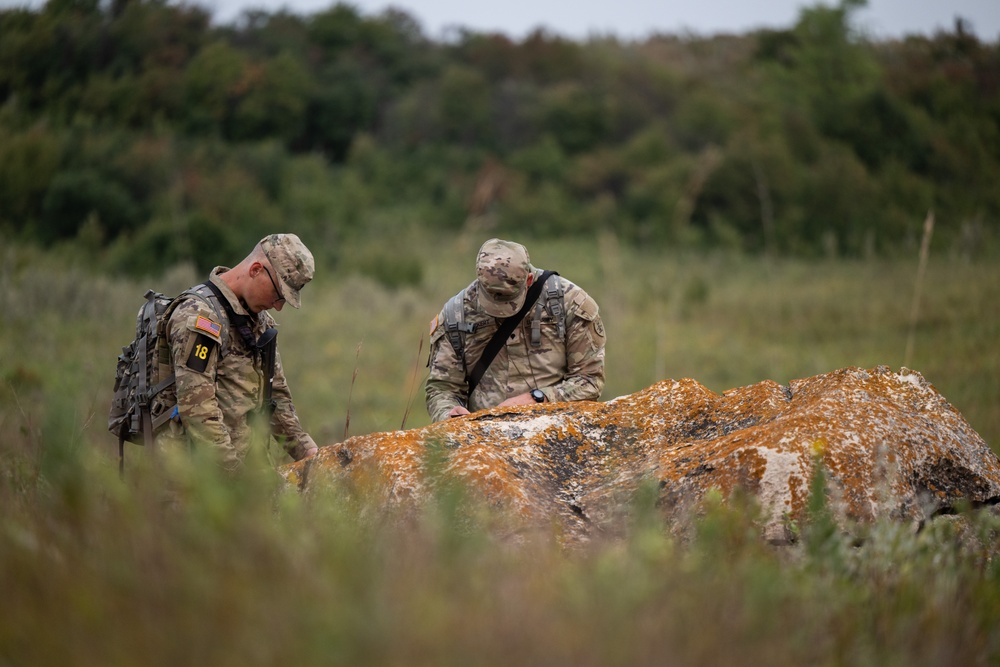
(531, 279)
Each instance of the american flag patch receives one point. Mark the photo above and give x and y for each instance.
(208, 325)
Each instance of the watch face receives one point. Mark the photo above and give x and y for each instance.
(538, 395)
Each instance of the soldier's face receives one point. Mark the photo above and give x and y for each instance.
(266, 293)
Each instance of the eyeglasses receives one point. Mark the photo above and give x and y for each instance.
(281, 297)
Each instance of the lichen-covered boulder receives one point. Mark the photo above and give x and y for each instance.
(889, 444)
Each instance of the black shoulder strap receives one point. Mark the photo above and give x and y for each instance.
(508, 326)
(242, 323)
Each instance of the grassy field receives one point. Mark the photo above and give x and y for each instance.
(96, 572)
(726, 321)
(723, 320)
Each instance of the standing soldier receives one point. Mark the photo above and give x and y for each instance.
(499, 342)
(221, 346)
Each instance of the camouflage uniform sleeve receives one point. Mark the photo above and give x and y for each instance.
(446, 384)
(194, 349)
(584, 380)
(285, 423)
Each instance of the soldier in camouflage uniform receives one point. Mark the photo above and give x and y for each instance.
(553, 367)
(220, 378)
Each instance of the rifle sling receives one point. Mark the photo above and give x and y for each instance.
(506, 328)
(241, 323)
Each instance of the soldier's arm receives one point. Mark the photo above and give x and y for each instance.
(285, 422)
(584, 380)
(195, 347)
(446, 386)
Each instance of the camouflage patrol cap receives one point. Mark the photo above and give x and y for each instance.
(502, 269)
(293, 263)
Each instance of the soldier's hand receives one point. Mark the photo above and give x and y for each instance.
(311, 452)
(520, 399)
(458, 411)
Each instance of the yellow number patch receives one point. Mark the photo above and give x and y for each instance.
(200, 353)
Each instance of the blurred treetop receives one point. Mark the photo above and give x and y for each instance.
(138, 130)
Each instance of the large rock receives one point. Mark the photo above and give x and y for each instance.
(889, 443)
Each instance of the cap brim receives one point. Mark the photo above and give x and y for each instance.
(292, 296)
(495, 308)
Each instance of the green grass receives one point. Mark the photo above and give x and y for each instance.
(723, 320)
(726, 321)
(97, 572)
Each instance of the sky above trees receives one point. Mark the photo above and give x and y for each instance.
(637, 18)
(579, 19)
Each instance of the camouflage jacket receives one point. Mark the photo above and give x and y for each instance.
(570, 369)
(217, 398)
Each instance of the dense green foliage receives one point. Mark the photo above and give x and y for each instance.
(144, 134)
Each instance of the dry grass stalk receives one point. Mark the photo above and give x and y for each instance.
(354, 377)
(925, 245)
(413, 382)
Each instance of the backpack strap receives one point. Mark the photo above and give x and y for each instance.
(142, 394)
(455, 326)
(555, 298)
(454, 323)
(554, 303)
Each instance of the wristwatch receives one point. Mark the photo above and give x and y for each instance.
(538, 395)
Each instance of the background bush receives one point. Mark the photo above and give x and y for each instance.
(811, 140)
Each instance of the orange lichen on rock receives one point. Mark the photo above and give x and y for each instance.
(889, 443)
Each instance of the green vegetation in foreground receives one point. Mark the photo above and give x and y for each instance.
(94, 571)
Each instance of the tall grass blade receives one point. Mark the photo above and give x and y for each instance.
(350, 393)
(925, 246)
(413, 382)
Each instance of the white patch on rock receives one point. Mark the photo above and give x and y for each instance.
(775, 483)
(528, 426)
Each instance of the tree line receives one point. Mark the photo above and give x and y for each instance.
(141, 131)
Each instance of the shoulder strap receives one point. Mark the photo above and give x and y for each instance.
(508, 326)
(455, 326)
(242, 323)
(555, 298)
(142, 391)
(213, 299)
(555, 302)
